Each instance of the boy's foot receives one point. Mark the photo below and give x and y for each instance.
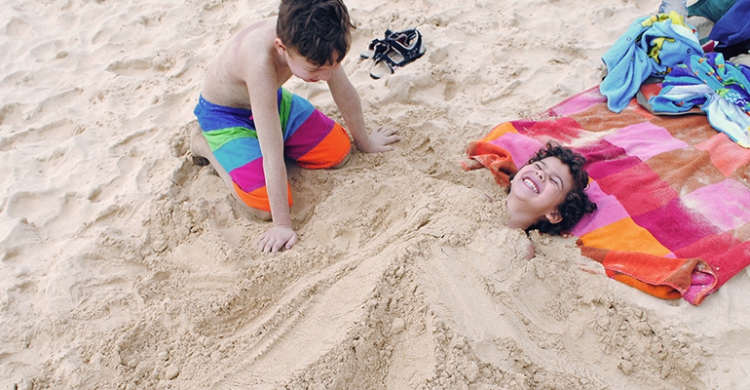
(198, 146)
(200, 161)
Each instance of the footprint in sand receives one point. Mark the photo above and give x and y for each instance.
(161, 62)
(17, 27)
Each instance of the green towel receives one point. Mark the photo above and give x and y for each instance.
(712, 10)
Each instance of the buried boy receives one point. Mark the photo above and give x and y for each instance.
(546, 194)
(250, 124)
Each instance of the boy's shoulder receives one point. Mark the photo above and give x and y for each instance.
(255, 37)
(245, 61)
(251, 48)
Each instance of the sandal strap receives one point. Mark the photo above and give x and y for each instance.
(409, 49)
(406, 35)
(384, 57)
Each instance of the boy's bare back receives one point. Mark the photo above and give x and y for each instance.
(248, 58)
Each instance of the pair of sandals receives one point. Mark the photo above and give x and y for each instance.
(397, 49)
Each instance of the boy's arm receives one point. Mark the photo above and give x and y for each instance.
(346, 98)
(263, 96)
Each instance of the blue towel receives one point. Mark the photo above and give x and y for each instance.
(651, 47)
(703, 75)
(721, 89)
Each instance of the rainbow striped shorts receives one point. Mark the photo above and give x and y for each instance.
(311, 139)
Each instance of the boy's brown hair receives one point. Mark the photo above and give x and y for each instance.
(317, 29)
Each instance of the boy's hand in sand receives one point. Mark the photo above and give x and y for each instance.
(380, 140)
(276, 239)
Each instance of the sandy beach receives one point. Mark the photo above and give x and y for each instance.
(125, 266)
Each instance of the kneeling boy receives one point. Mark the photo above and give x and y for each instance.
(249, 123)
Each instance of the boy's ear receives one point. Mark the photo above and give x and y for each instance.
(279, 45)
(554, 217)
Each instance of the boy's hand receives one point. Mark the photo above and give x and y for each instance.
(276, 239)
(380, 140)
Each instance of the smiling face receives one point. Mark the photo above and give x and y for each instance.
(537, 190)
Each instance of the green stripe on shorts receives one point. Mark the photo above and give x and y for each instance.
(284, 108)
(218, 138)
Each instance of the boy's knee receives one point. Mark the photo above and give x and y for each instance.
(344, 161)
(259, 214)
(256, 201)
(253, 209)
(333, 151)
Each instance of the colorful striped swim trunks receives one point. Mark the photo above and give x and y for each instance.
(312, 139)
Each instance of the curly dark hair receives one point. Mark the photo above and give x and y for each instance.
(316, 29)
(576, 203)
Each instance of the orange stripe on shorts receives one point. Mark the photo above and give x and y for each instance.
(330, 151)
(258, 198)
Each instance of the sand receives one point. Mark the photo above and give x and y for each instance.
(126, 266)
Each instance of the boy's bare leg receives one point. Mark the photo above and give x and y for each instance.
(202, 155)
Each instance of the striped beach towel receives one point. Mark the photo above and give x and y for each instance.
(673, 194)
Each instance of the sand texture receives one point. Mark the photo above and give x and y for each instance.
(125, 266)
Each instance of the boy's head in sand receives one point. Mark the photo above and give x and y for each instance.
(547, 193)
(313, 36)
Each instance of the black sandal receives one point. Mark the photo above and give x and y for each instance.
(408, 43)
(396, 50)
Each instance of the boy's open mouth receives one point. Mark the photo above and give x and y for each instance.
(529, 183)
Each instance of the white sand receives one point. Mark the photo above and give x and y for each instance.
(125, 266)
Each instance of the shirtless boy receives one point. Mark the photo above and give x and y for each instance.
(308, 39)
